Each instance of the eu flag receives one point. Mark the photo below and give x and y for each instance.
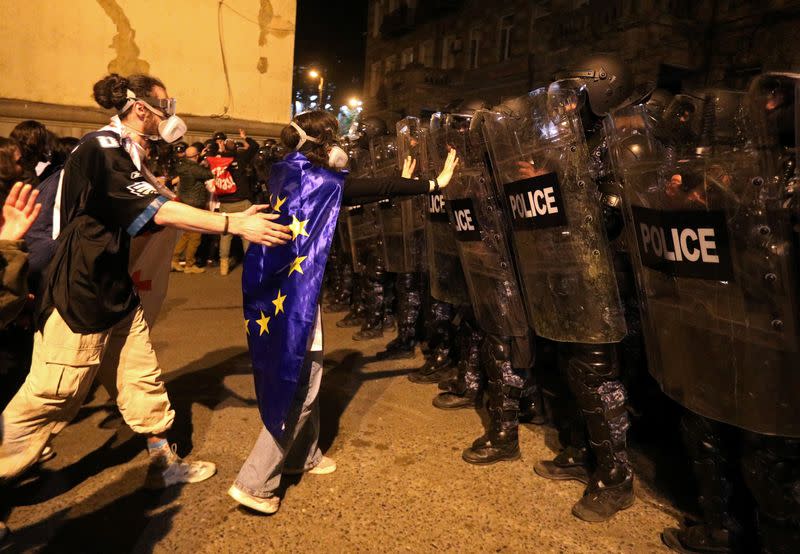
(281, 285)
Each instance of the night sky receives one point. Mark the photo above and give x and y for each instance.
(332, 34)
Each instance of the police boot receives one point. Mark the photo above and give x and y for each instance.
(570, 464)
(437, 363)
(352, 319)
(501, 442)
(464, 391)
(600, 501)
(712, 467)
(369, 330)
(698, 538)
(771, 467)
(610, 488)
(398, 349)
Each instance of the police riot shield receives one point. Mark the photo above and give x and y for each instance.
(408, 238)
(482, 235)
(383, 150)
(447, 283)
(363, 224)
(716, 253)
(541, 163)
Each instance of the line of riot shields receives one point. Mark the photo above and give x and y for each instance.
(581, 250)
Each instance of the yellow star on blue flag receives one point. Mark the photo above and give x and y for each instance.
(279, 302)
(263, 323)
(296, 265)
(298, 227)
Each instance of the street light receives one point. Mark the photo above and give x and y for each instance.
(314, 74)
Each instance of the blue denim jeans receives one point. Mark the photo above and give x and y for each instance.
(297, 450)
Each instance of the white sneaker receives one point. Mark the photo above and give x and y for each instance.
(264, 505)
(167, 469)
(324, 467)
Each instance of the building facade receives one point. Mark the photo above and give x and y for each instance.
(423, 55)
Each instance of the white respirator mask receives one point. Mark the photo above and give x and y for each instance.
(170, 129)
(337, 157)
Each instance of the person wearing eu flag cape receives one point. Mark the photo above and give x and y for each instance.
(281, 289)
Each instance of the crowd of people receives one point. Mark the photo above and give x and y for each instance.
(594, 255)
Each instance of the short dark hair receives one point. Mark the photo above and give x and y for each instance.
(111, 92)
(10, 171)
(62, 148)
(317, 124)
(31, 136)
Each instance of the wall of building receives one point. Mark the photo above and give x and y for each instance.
(55, 51)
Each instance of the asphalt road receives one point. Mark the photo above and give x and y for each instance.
(401, 485)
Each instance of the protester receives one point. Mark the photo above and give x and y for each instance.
(32, 137)
(91, 320)
(192, 192)
(287, 385)
(19, 212)
(10, 164)
(238, 198)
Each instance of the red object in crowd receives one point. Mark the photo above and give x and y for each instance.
(223, 181)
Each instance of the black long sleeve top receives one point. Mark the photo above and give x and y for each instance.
(364, 190)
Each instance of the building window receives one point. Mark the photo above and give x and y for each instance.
(390, 64)
(426, 53)
(407, 58)
(374, 78)
(448, 52)
(474, 47)
(506, 27)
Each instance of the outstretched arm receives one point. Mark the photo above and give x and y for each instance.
(365, 190)
(255, 227)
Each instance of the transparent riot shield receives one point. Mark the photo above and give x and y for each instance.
(412, 141)
(384, 161)
(363, 224)
(541, 164)
(716, 253)
(481, 235)
(447, 283)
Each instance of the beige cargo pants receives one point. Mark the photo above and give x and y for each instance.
(63, 368)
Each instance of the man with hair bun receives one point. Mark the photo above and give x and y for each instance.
(91, 323)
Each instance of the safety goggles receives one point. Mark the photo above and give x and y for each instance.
(165, 105)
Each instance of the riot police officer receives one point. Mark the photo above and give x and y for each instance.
(721, 325)
(563, 254)
(494, 291)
